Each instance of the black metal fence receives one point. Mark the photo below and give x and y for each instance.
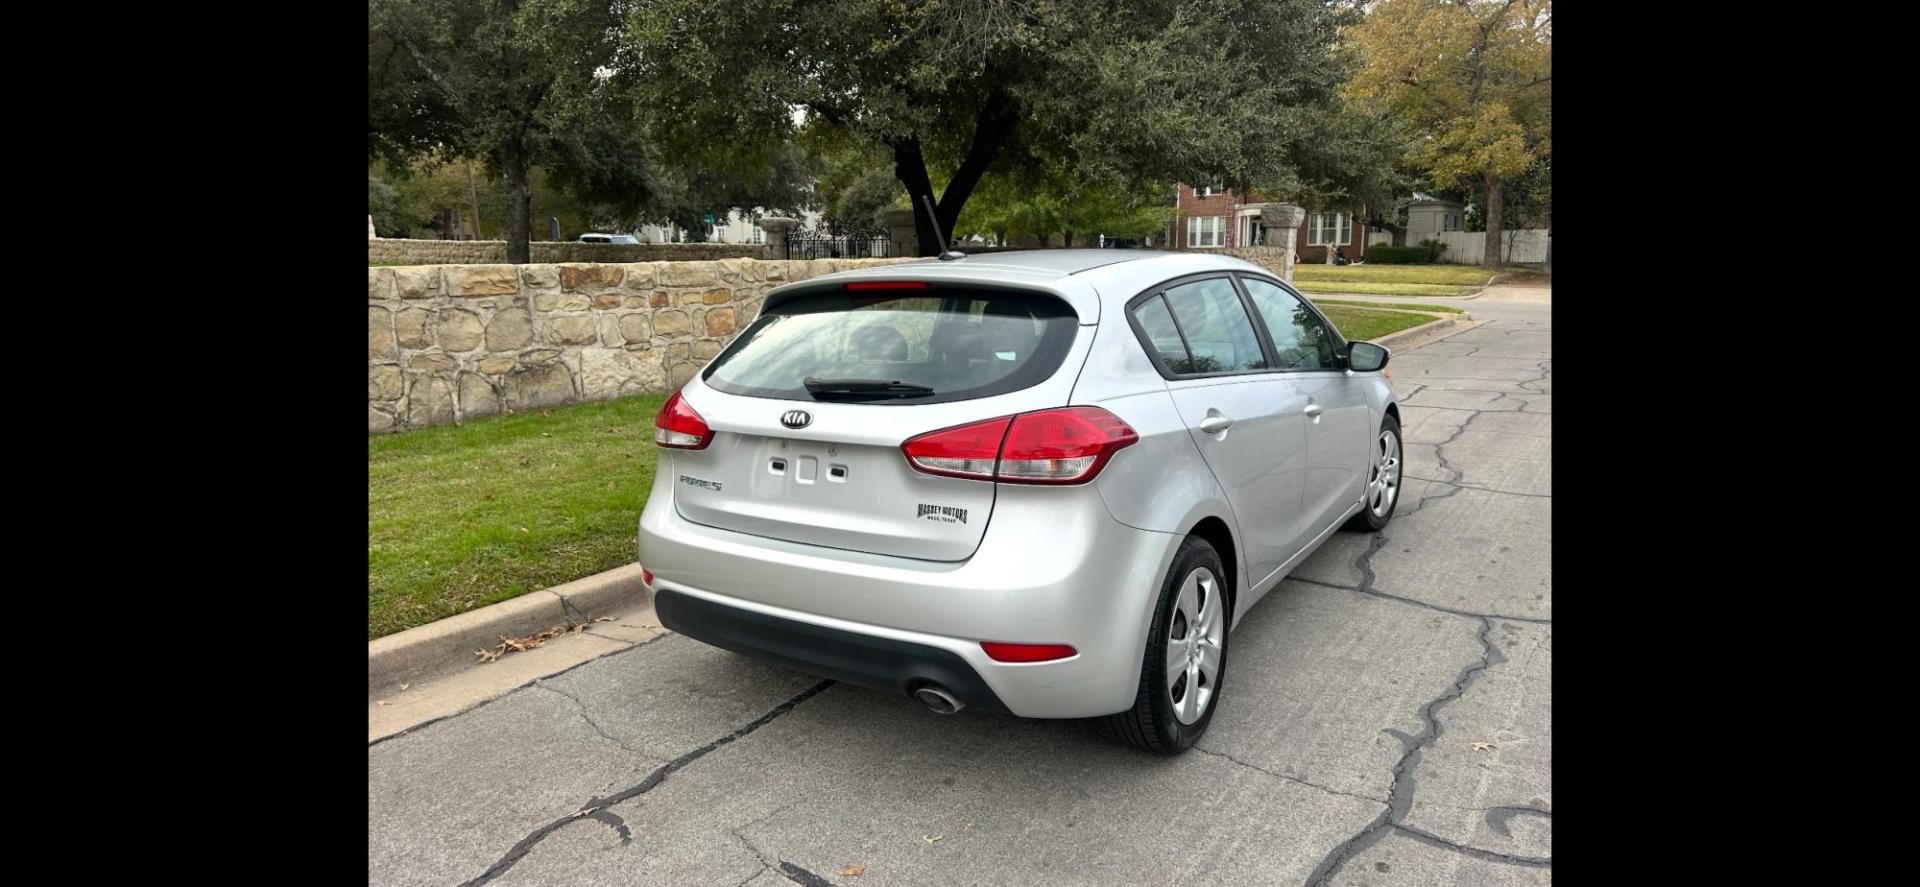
(830, 245)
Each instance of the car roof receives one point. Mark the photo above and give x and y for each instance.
(1086, 278)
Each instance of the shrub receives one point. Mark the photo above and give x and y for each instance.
(1399, 255)
(1439, 248)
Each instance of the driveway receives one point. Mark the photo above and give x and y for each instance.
(1387, 720)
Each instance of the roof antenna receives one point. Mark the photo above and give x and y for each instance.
(946, 255)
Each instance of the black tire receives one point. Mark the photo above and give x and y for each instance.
(1152, 722)
(1366, 521)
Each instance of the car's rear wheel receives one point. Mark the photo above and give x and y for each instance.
(1383, 479)
(1186, 657)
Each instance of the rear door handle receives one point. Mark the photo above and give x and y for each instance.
(1313, 411)
(1215, 423)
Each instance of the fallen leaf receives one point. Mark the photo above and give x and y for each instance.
(525, 530)
(404, 686)
(853, 870)
(932, 839)
(1483, 746)
(383, 702)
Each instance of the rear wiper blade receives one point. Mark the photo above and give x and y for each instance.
(822, 389)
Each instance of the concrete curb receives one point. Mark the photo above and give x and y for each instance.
(443, 646)
(1394, 341)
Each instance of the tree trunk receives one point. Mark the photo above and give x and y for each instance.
(910, 168)
(1496, 210)
(519, 192)
(990, 130)
(1066, 239)
(473, 198)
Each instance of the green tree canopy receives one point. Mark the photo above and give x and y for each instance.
(1147, 92)
(518, 84)
(1473, 79)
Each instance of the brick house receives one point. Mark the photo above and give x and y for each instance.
(1214, 217)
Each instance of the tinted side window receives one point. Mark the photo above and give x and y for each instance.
(1157, 323)
(1218, 333)
(1300, 340)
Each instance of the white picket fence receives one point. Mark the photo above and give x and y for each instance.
(1522, 245)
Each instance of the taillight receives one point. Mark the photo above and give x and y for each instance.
(679, 427)
(1063, 446)
(965, 451)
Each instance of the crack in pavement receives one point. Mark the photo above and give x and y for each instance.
(1434, 840)
(788, 870)
(584, 714)
(571, 613)
(1419, 603)
(1435, 480)
(801, 876)
(1331, 791)
(614, 821)
(509, 693)
(1400, 796)
(1497, 817)
(653, 780)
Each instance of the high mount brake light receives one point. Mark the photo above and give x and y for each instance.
(1063, 446)
(858, 285)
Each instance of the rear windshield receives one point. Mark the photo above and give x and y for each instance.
(885, 347)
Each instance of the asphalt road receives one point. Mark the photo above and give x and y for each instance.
(1387, 720)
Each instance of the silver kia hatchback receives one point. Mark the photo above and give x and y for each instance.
(1047, 483)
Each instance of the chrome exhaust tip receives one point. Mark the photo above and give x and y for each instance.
(940, 701)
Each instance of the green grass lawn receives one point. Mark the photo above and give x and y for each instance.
(1443, 309)
(1392, 280)
(1359, 323)
(1455, 275)
(461, 516)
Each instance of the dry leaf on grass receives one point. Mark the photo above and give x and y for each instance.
(404, 686)
(853, 870)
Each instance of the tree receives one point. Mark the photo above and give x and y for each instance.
(1054, 198)
(520, 84)
(689, 192)
(1153, 91)
(1473, 78)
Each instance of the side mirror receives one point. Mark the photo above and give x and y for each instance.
(1366, 357)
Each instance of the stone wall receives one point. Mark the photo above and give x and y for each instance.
(400, 251)
(1272, 258)
(451, 342)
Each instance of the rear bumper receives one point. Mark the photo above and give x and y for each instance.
(1053, 567)
(867, 660)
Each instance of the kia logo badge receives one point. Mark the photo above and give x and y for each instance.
(796, 418)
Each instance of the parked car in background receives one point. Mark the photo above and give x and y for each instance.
(1047, 483)
(608, 238)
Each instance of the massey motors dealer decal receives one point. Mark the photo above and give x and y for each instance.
(702, 484)
(943, 513)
